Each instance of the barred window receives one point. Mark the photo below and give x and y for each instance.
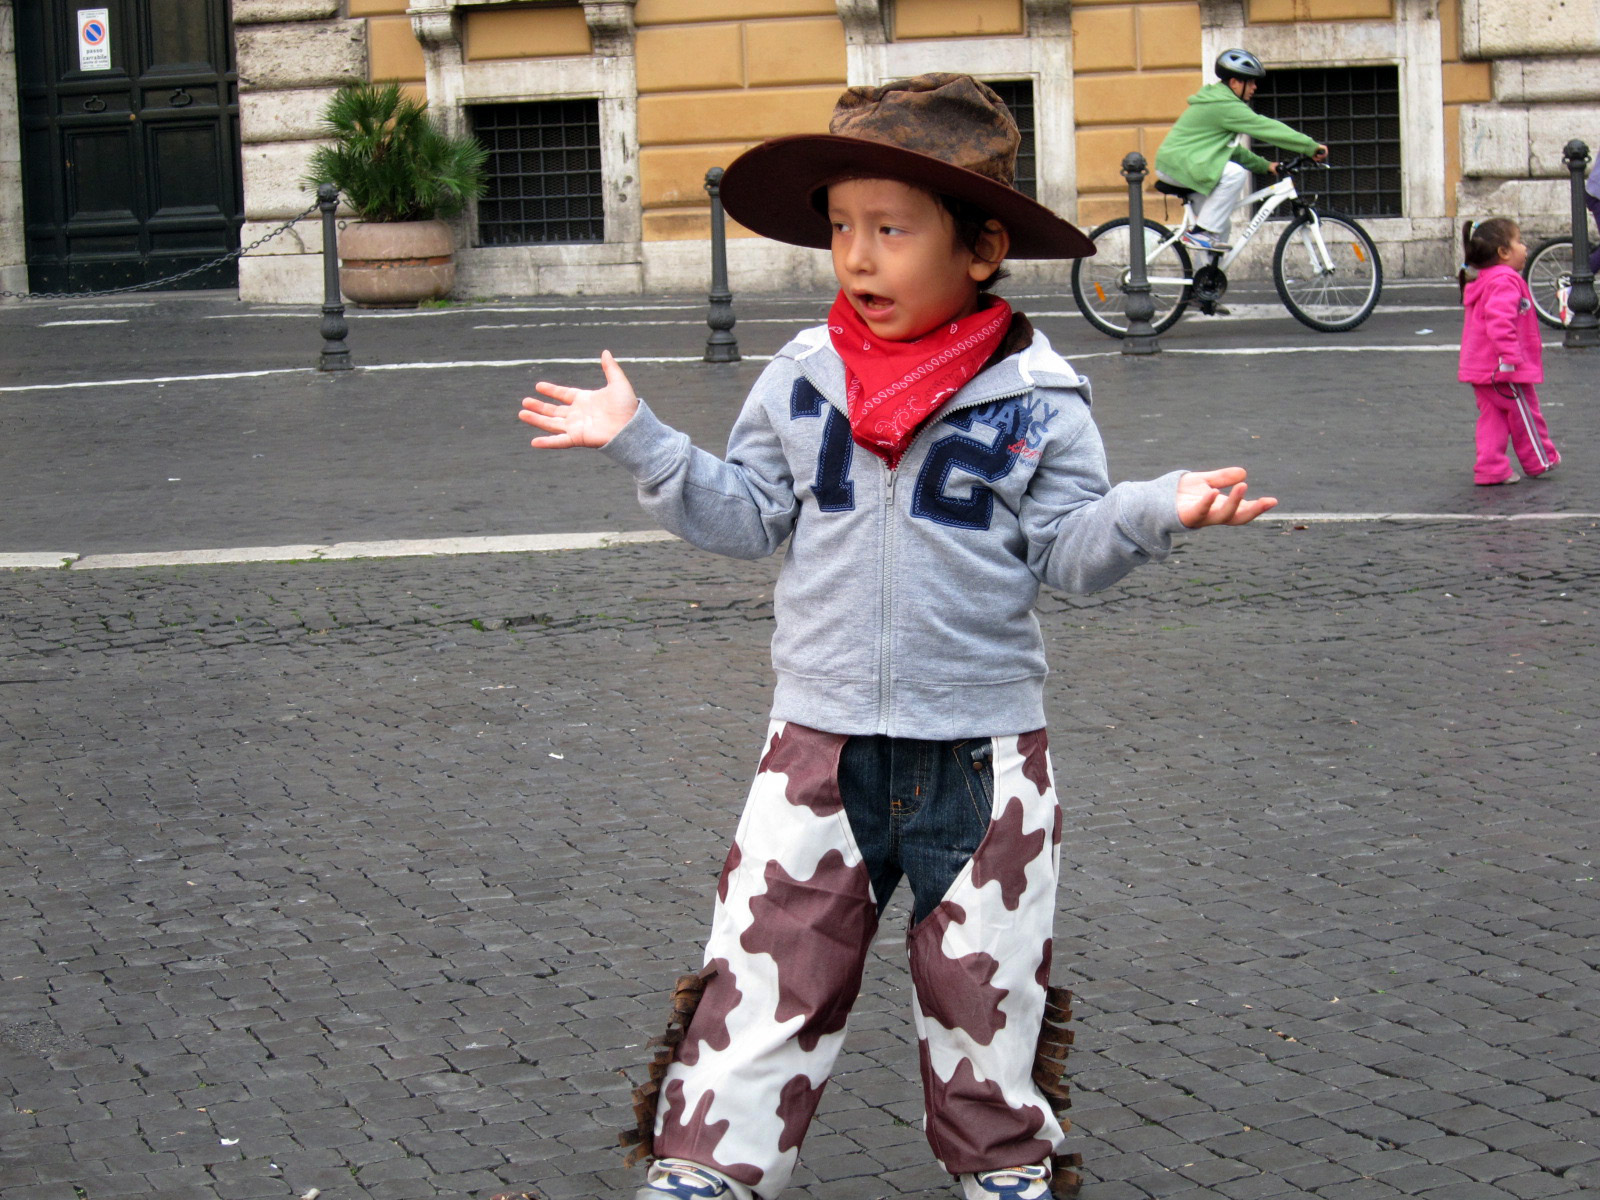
(1018, 95)
(1355, 112)
(544, 180)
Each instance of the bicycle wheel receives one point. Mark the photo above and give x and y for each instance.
(1098, 283)
(1549, 275)
(1332, 299)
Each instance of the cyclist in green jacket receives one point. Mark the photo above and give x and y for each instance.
(1202, 152)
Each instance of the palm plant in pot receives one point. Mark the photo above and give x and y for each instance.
(400, 173)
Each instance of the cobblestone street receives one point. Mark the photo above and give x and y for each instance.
(371, 876)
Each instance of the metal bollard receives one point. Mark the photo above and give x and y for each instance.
(335, 355)
(1139, 307)
(720, 346)
(1583, 331)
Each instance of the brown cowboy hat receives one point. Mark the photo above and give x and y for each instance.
(947, 133)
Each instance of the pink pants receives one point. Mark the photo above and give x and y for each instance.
(1510, 411)
(795, 918)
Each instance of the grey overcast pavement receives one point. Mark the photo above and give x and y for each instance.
(369, 875)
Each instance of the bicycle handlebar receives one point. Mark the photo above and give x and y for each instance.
(1296, 161)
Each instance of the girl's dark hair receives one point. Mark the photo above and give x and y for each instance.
(971, 224)
(1481, 244)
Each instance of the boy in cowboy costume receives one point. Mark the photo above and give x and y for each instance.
(930, 461)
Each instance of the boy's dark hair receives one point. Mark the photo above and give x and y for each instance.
(1481, 244)
(971, 222)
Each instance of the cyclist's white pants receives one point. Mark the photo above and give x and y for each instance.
(1215, 211)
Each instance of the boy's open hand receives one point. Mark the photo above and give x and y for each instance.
(1203, 500)
(581, 418)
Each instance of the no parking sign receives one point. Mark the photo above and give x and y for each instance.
(94, 39)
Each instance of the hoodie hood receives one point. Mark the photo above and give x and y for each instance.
(1482, 281)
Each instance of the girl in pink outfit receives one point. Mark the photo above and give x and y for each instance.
(1500, 354)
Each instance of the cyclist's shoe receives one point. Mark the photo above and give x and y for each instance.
(1214, 308)
(1009, 1183)
(1204, 239)
(679, 1179)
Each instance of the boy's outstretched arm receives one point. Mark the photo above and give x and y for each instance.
(581, 418)
(1202, 499)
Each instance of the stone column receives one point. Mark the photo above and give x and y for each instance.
(293, 55)
(13, 247)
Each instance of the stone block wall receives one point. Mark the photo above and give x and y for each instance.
(1541, 63)
(293, 55)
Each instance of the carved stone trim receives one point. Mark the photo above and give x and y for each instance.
(1047, 18)
(865, 22)
(610, 26)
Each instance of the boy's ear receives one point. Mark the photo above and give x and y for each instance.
(994, 243)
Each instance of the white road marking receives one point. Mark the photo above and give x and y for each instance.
(546, 542)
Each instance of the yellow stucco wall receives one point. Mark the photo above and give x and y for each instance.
(1134, 66)
(916, 19)
(709, 88)
(491, 33)
(393, 51)
(1271, 11)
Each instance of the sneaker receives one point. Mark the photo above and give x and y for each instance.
(1204, 239)
(679, 1179)
(1009, 1183)
(1502, 482)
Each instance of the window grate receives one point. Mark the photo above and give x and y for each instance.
(543, 170)
(1355, 112)
(1018, 95)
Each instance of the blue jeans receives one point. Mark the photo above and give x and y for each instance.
(917, 809)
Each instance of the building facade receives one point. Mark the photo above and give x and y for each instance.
(603, 116)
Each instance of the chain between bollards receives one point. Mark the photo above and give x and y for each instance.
(1583, 330)
(721, 347)
(1139, 307)
(335, 355)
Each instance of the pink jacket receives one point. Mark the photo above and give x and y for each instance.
(1500, 329)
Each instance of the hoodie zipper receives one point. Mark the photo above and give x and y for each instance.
(886, 557)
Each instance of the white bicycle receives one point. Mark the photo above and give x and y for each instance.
(1326, 267)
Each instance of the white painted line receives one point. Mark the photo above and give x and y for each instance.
(86, 321)
(470, 310)
(539, 543)
(102, 383)
(639, 324)
(586, 361)
(40, 561)
(1335, 517)
(424, 547)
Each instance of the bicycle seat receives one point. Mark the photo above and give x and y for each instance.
(1174, 189)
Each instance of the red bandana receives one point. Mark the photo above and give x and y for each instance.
(892, 387)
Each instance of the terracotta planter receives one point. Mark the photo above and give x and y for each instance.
(396, 264)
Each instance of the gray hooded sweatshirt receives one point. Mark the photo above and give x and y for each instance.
(905, 603)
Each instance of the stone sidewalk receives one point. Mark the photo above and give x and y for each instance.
(369, 877)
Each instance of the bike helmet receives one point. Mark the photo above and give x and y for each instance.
(1240, 64)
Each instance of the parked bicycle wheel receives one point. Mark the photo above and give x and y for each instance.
(1332, 299)
(1549, 275)
(1098, 283)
